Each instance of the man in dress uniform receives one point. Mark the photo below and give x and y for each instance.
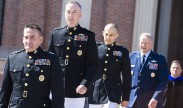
(149, 75)
(77, 50)
(109, 88)
(30, 75)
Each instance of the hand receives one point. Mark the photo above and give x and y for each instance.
(152, 103)
(81, 89)
(124, 104)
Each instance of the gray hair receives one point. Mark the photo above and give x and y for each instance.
(72, 1)
(148, 35)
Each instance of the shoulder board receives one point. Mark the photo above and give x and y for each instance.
(58, 28)
(16, 52)
(99, 43)
(134, 52)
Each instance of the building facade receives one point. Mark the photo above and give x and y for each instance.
(161, 18)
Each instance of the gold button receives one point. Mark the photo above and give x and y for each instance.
(68, 48)
(26, 84)
(35, 51)
(28, 65)
(27, 74)
(105, 61)
(107, 55)
(41, 70)
(105, 69)
(69, 40)
(30, 57)
(70, 33)
(67, 56)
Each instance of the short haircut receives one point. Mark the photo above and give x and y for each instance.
(148, 35)
(34, 26)
(112, 25)
(177, 61)
(72, 1)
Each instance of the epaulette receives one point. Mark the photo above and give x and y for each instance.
(16, 52)
(99, 43)
(58, 28)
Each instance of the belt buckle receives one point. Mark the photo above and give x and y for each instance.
(25, 94)
(66, 61)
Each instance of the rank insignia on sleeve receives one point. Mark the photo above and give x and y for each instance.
(42, 62)
(117, 53)
(80, 37)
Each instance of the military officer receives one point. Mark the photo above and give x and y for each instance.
(113, 80)
(149, 75)
(30, 75)
(77, 50)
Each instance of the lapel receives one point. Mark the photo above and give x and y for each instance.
(147, 61)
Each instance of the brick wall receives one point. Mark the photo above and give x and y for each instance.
(47, 14)
(175, 50)
(120, 12)
(18, 13)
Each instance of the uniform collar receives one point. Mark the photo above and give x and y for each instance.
(73, 28)
(111, 45)
(35, 51)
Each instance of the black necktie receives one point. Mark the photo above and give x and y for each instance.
(143, 60)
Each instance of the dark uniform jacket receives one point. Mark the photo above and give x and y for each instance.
(77, 50)
(149, 81)
(29, 78)
(173, 97)
(109, 84)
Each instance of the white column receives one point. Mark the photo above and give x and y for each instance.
(86, 10)
(164, 27)
(144, 20)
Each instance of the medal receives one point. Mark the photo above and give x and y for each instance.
(132, 73)
(41, 78)
(104, 76)
(79, 52)
(152, 74)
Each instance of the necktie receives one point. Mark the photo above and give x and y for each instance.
(143, 60)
